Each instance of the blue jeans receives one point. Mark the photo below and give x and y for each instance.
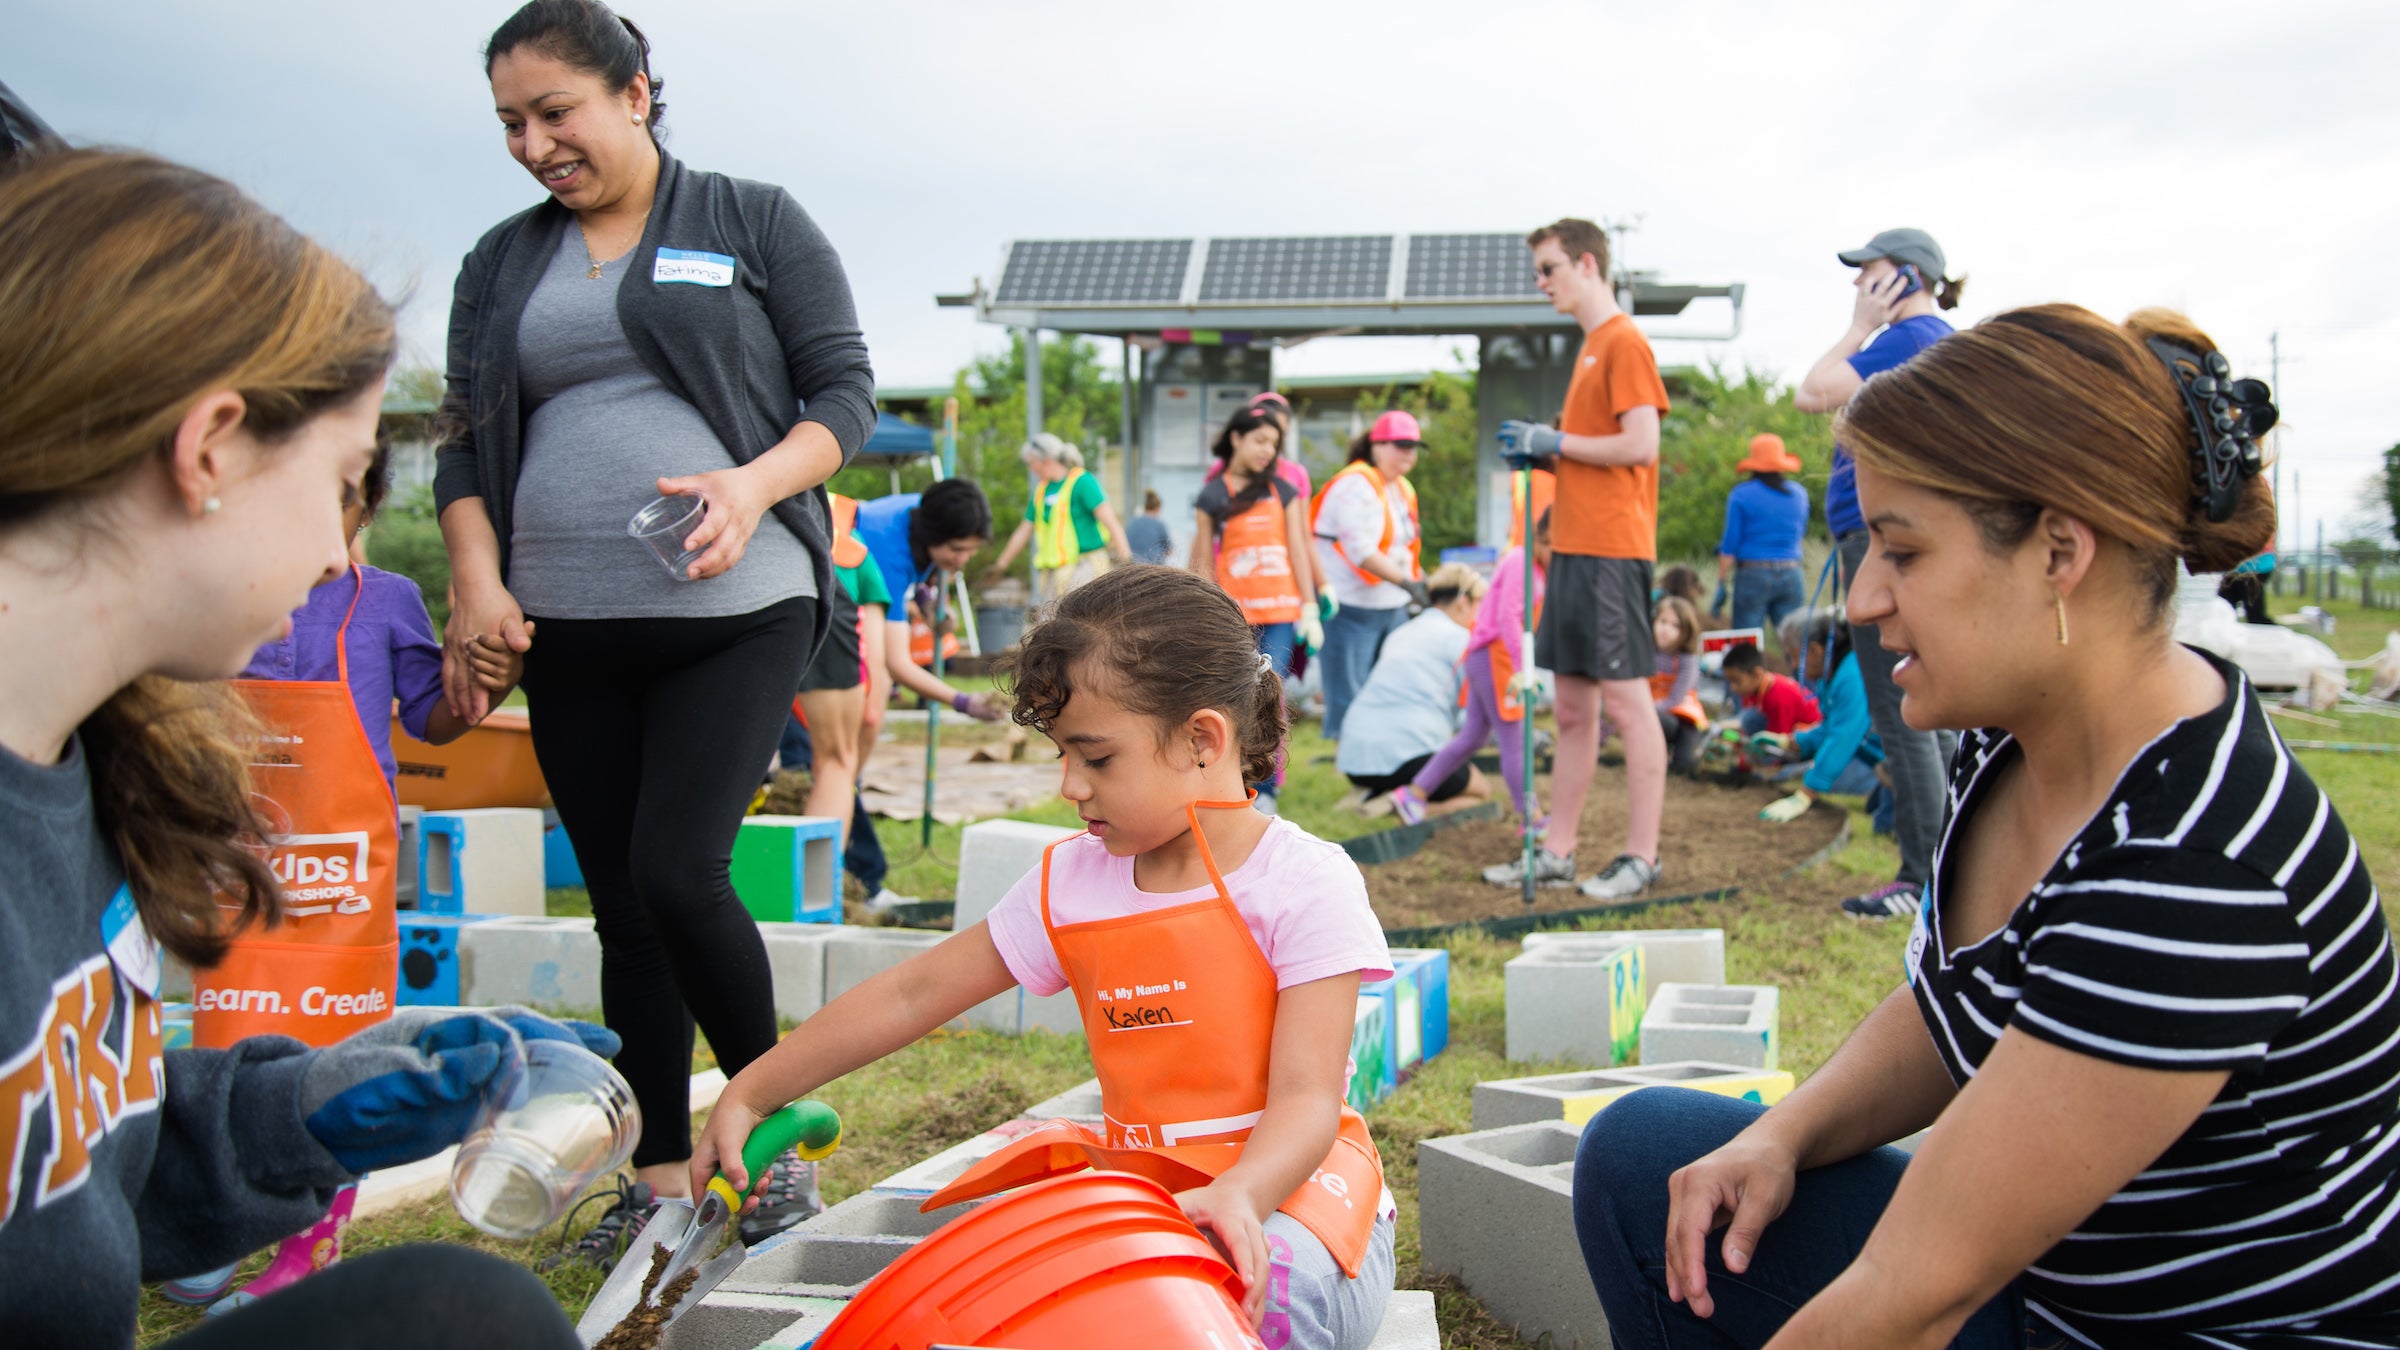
(1621, 1169)
(1352, 638)
(1763, 595)
(1276, 640)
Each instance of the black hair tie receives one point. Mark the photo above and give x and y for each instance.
(2227, 416)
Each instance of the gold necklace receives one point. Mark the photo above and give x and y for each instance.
(585, 231)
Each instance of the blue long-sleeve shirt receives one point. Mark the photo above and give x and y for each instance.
(1762, 523)
(1844, 734)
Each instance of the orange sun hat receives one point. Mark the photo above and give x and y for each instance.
(1767, 455)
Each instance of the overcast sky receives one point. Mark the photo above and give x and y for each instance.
(2239, 161)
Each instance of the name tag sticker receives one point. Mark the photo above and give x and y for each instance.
(130, 947)
(693, 267)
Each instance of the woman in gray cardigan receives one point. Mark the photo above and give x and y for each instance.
(648, 329)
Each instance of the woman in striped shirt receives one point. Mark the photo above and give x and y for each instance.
(2150, 1013)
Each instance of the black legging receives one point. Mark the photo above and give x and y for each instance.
(407, 1298)
(652, 734)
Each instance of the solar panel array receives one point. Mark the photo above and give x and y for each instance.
(1469, 267)
(1094, 272)
(1319, 269)
(1315, 268)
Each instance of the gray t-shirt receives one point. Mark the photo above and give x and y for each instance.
(600, 431)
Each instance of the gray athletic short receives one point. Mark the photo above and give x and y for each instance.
(1596, 618)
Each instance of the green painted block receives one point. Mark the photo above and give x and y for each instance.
(787, 869)
(1370, 1073)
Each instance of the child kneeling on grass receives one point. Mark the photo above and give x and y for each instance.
(1148, 681)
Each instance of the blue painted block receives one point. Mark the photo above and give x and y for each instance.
(1429, 967)
(429, 959)
(1389, 994)
(559, 867)
(175, 1024)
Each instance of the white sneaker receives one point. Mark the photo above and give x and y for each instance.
(1549, 869)
(1625, 877)
(887, 898)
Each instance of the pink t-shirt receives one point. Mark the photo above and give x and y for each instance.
(1501, 616)
(1302, 899)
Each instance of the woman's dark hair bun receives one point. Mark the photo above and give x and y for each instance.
(588, 36)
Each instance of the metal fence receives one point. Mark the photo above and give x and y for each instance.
(2370, 578)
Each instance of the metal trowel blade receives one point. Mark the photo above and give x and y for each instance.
(670, 1227)
(713, 1251)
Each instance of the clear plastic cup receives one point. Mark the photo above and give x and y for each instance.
(542, 1135)
(662, 527)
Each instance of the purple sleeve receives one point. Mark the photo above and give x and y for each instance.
(1508, 606)
(416, 655)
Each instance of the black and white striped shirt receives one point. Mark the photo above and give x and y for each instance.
(2213, 916)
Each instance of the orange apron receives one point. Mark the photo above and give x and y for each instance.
(331, 967)
(1689, 709)
(1254, 563)
(1545, 492)
(1179, 1006)
(1408, 494)
(848, 549)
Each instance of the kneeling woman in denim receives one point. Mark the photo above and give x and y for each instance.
(2149, 1016)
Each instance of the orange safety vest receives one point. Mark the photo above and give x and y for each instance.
(332, 966)
(1689, 709)
(1254, 563)
(848, 550)
(1545, 492)
(1408, 493)
(1179, 1006)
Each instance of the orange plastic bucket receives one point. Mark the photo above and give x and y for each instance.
(492, 765)
(1096, 1258)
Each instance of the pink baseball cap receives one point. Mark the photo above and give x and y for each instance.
(1396, 426)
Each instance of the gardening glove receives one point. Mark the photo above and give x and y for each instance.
(1785, 810)
(1771, 742)
(410, 1087)
(1312, 632)
(1327, 606)
(1716, 606)
(1528, 445)
(1418, 596)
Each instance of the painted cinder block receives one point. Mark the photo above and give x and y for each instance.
(1577, 1097)
(1370, 1073)
(1577, 1002)
(404, 888)
(1403, 1028)
(1429, 967)
(560, 867)
(1669, 955)
(992, 856)
(541, 963)
(854, 954)
(1495, 1210)
(429, 961)
(175, 1024)
(480, 860)
(788, 869)
(1727, 1024)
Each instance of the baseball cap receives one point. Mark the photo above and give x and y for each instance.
(1395, 426)
(1908, 246)
(1269, 398)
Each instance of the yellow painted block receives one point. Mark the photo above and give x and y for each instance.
(1766, 1088)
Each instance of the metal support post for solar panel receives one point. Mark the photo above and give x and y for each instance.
(1133, 464)
(1033, 382)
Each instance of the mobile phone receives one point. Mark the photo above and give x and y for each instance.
(1911, 281)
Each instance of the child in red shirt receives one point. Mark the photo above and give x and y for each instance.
(1770, 701)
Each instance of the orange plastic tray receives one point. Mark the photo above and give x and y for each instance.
(493, 765)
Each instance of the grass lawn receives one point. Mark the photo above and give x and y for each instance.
(1831, 970)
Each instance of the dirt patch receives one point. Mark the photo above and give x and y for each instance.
(1713, 838)
(643, 1327)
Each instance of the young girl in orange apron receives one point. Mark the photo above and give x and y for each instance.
(1494, 705)
(1217, 999)
(330, 968)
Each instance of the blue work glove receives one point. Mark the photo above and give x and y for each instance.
(1528, 445)
(410, 1087)
(1716, 606)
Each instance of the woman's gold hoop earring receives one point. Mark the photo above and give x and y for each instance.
(2061, 602)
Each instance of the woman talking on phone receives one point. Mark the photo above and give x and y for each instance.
(1901, 291)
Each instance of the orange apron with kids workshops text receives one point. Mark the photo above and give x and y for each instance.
(331, 967)
(1254, 563)
(1689, 709)
(1179, 1006)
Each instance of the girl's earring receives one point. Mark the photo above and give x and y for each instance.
(211, 507)
(2061, 602)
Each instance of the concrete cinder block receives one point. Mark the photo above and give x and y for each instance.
(1669, 955)
(1495, 1209)
(796, 955)
(1429, 968)
(742, 1319)
(1578, 1002)
(404, 889)
(788, 869)
(541, 963)
(992, 856)
(855, 954)
(1078, 1103)
(1371, 1076)
(842, 1248)
(480, 860)
(1728, 1024)
(1408, 1323)
(1577, 1097)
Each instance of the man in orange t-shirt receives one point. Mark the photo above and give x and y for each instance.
(1595, 627)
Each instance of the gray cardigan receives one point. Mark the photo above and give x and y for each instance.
(781, 345)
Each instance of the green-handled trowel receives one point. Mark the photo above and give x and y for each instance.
(683, 1252)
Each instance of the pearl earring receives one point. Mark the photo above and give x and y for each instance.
(637, 121)
(211, 507)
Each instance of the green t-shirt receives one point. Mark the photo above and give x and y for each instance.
(864, 584)
(1081, 509)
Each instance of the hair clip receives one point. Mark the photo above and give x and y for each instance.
(2227, 415)
(1266, 664)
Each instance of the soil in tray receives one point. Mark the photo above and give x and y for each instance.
(1712, 838)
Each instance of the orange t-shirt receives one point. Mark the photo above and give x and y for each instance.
(1608, 511)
